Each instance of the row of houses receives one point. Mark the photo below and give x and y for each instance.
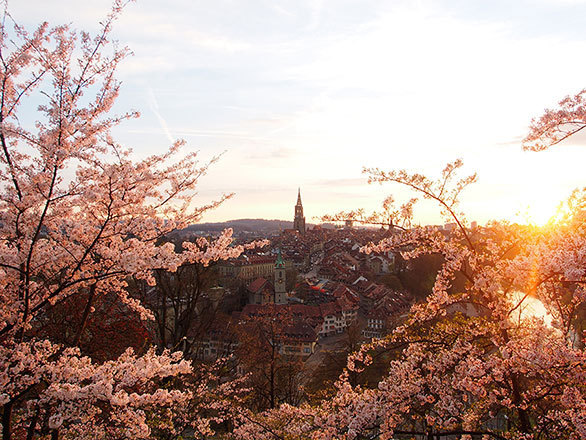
(379, 307)
(320, 307)
(300, 326)
(250, 267)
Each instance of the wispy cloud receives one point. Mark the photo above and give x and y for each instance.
(316, 7)
(220, 134)
(516, 141)
(154, 106)
(277, 153)
(340, 182)
(280, 9)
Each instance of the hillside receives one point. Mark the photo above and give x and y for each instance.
(259, 226)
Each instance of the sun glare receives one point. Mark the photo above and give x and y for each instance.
(540, 212)
(530, 308)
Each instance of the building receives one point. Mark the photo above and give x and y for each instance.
(299, 340)
(219, 341)
(299, 219)
(280, 280)
(376, 324)
(248, 268)
(261, 291)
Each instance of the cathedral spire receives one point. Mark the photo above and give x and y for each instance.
(299, 219)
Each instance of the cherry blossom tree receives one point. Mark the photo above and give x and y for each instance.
(556, 125)
(468, 364)
(389, 216)
(79, 218)
(274, 375)
(108, 320)
(180, 305)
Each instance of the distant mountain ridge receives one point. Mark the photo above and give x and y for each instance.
(258, 225)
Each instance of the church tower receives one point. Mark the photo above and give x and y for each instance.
(280, 280)
(299, 220)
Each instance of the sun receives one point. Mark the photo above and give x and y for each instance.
(539, 212)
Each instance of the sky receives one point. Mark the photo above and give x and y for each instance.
(305, 93)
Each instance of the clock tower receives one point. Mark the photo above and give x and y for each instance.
(280, 280)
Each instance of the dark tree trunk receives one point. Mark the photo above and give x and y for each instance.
(32, 427)
(86, 314)
(6, 420)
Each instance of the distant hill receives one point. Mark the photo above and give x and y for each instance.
(256, 225)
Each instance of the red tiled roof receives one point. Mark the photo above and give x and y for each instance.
(300, 331)
(344, 292)
(346, 305)
(376, 292)
(257, 284)
(364, 285)
(378, 313)
(258, 259)
(303, 310)
(330, 308)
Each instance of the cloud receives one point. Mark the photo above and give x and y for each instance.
(154, 106)
(191, 132)
(559, 2)
(316, 7)
(341, 182)
(280, 9)
(515, 142)
(275, 154)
